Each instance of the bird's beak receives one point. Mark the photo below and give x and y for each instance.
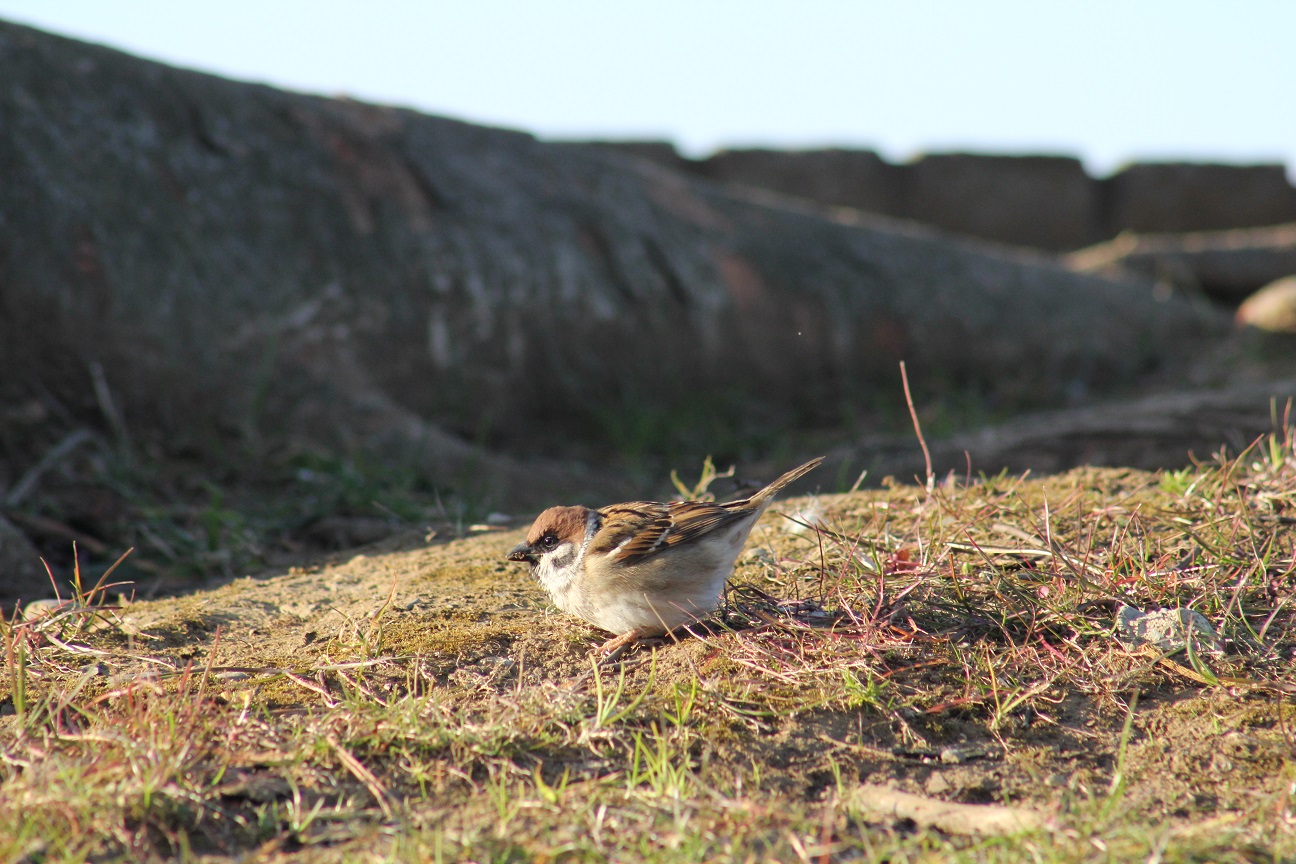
(523, 552)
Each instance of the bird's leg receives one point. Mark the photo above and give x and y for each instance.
(614, 648)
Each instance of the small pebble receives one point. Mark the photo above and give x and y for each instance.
(953, 756)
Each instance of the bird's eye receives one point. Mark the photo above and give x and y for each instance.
(549, 541)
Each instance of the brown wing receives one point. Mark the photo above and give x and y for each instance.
(640, 525)
(631, 532)
(645, 528)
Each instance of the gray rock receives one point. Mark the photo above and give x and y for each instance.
(1168, 630)
(234, 260)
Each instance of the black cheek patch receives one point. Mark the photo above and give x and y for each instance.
(563, 556)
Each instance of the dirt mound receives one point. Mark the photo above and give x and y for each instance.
(957, 646)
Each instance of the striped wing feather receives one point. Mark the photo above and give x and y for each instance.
(643, 528)
(650, 527)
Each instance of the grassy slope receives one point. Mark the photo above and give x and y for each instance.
(423, 701)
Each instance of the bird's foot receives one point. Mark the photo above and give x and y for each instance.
(613, 649)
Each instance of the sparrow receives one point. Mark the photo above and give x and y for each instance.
(642, 568)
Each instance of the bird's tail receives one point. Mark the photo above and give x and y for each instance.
(763, 496)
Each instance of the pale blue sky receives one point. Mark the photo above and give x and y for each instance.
(1105, 80)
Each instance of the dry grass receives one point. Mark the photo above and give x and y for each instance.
(956, 643)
